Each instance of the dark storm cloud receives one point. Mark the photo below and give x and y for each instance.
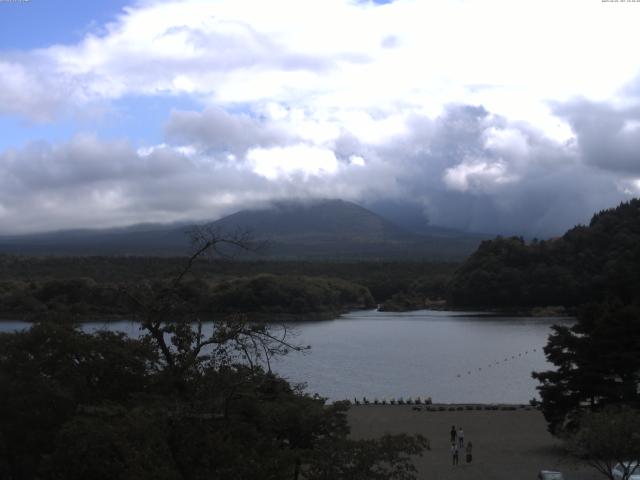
(608, 137)
(473, 170)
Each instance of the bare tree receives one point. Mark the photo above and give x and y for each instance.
(175, 326)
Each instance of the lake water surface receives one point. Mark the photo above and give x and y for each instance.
(450, 356)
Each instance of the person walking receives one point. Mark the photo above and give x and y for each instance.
(454, 453)
(453, 434)
(460, 437)
(469, 450)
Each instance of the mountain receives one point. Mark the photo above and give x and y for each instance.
(317, 222)
(293, 229)
(411, 216)
(341, 229)
(596, 262)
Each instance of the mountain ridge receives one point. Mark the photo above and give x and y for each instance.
(297, 229)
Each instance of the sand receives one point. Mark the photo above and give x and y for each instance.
(512, 444)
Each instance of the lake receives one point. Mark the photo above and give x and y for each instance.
(454, 357)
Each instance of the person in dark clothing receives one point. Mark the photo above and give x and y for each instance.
(454, 453)
(453, 434)
(469, 452)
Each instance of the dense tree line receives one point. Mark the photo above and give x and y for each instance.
(83, 297)
(89, 286)
(383, 278)
(588, 263)
(289, 294)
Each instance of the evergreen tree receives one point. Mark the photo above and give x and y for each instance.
(597, 364)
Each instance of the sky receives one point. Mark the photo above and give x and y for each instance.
(496, 116)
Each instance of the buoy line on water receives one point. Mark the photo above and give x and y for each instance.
(498, 362)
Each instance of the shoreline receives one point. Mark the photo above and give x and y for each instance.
(252, 316)
(327, 315)
(447, 407)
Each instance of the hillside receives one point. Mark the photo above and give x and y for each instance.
(328, 229)
(317, 222)
(343, 230)
(588, 263)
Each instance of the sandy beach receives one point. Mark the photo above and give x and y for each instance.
(507, 444)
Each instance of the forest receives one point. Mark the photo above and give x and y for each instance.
(91, 287)
(597, 262)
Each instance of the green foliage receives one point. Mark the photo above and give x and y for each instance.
(77, 405)
(608, 437)
(83, 298)
(50, 371)
(388, 458)
(382, 278)
(289, 294)
(110, 443)
(591, 263)
(597, 363)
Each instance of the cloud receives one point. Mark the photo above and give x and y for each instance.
(468, 168)
(278, 162)
(608, 136)
(409, 55)
(477, 174)
(88, 182)
(469, 113)
(219, 131)
(472, 169)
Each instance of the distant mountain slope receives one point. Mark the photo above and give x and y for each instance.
(588, 263)
(341, 230)
(317, 221)
(143, 239)
(411, 216)
(294, 229)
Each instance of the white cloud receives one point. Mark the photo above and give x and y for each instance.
(305, 160)
(357, 160)
(506, 140)
(477, 175)
(490, 52)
